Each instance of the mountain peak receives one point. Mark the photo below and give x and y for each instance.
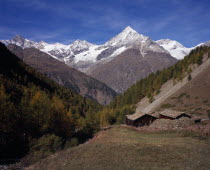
(16, 37)
(81, 43)
(79, 46)
(172, 43)
(128, 29)
(176, 49)
(126, 37)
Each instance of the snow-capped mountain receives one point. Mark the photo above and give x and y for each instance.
(176, 49)
(56, 50)
(19, 41)
(120, 62)
(128, 38)
(82, 54)
(125, 38)
(79, 46)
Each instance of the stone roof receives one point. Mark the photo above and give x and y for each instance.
(166, 112)
(171, 113)
(138, 115)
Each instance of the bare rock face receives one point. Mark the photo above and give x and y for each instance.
(65, 75)
(129, 67)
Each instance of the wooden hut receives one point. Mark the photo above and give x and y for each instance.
(172, 114)
(140, 119)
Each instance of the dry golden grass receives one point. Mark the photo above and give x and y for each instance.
(124, 148)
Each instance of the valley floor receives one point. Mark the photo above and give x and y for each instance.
(124, 148)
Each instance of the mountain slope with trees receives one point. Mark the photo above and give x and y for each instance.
(38, 114)
(64, 75)
(151, 86)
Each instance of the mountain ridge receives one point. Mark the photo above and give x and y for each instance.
(93, 59)
(65, 75)
(67, 53)
(98, 60)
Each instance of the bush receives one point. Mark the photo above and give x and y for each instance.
(208, 111)
(157, 91)
(189, 77)
(182, 95)
(71, 143)
(199, 60)
(47, 143)
(151, 99)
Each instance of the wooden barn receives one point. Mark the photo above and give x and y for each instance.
(172, 114)
(140, 119)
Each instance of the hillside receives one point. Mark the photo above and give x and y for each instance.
(34, 108)
(65, 75)
(122, 148)
(187, 95)
(148, 94)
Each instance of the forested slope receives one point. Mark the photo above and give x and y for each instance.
(33, 107)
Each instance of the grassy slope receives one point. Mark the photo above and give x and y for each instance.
(122, 148)
(189, 96)
(194, 97)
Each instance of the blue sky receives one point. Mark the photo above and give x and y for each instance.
(187, 21)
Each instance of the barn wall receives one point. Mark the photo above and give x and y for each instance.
(144, 120)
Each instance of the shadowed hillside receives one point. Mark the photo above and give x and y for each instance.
(65, 75)
(37, 114)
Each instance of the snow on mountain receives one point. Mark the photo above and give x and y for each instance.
(82, 54)
(90, 55)
(80, 46)
(118, 51)
(176, 49)
(126, 37)
(207, 43)
(56, 50)
(19, 41)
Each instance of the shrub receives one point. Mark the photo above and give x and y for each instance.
(208, 111)
(189, 77)
(181, 95)
(157, 91)
(151, 99)
(205, 101)
(188, 96)
(47, 143)
(71, 143)
(199, 60)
